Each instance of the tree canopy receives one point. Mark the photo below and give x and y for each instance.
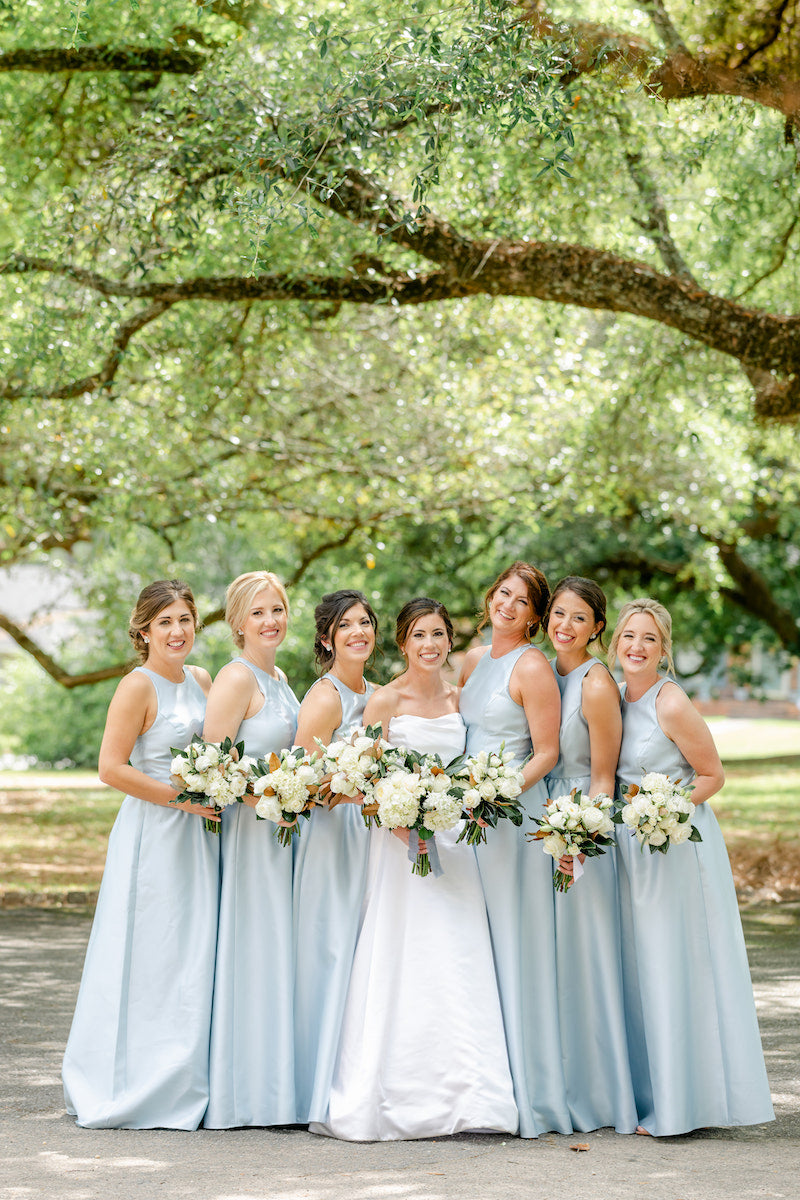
(400, 291)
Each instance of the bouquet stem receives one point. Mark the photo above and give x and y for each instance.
(561, 881)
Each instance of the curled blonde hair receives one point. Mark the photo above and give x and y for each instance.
(663, 623)
(240, 596)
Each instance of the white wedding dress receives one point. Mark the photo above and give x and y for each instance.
(422, 1051)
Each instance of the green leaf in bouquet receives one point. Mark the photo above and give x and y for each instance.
(695, 835)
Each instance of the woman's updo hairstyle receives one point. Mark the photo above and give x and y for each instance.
(327, 616)
(591, 593)
(663, 622)
(152, 600)
(421, 606)
(538, 594)
(240, 596)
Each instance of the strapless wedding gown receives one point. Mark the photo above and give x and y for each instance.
(422, 1051)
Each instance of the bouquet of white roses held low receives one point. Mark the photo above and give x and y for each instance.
(214, 774)
(659, 813)
(413, 792)
(574, 824)
(351, 767)
(488, 785)
(287, 786)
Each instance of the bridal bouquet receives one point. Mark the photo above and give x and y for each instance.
(211, 774)
(573, 824)
(414, 792)
(488, 785)
(287, 786)
(658, 813)
(351, 767)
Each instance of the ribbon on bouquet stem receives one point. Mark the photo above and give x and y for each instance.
(414, 841)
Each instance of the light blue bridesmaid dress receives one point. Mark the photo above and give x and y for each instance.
(518, 887)
(137, 1054)
(251, 1073)
(695, 1048)
(588, 956)
(330, 875)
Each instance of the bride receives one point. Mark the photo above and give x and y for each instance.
(422, 1051)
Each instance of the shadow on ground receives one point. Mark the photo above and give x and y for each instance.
(44, 1156)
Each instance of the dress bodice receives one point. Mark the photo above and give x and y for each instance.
(181, 712)
(353, 705)
(491, 715)
(575, 754)
(443, 735)
(274, 725)
(645, 746)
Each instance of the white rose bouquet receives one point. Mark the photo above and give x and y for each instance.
(574, 824)
(414, 792)
(214, 774)
(488, 785)
(351, 767)
(658, 812)
(287, 786)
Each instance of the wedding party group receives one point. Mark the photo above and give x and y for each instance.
(249, 972)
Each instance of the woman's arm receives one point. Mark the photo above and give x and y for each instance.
(683, 725)
(601, 708)
(533, 685)
(228, 702)
(132, 710)
(320, 714)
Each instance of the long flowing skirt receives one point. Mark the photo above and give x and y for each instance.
(695, 1048)
(330, 876)
(251, 1074)
(137, 1054)
(518, 886)
(422, 1052)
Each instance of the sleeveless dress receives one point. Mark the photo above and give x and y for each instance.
(422, 1052)
(518, 886)
(251, 1074)
(594, 1046)
(695, 1048)
(330, 874)
(137, 1054)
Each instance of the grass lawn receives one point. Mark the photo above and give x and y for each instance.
(54, 825)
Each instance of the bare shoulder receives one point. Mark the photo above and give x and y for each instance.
(599, 683)
(202, 676)
(382, 705)
(322, 699)
(532, 665)
(470, 662)
(133, 687)
(672, 702)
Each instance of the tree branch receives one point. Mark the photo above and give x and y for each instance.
(131, 59)
(766, 345)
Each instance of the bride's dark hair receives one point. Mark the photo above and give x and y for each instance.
(327, 616)
(421, 606)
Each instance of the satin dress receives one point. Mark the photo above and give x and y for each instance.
(695, 1048)
(518, 885)
(422, 1051)
(137, 1054)
(594, 1046)
(330, 874)
(252, 1040)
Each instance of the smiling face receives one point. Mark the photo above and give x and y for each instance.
(353, 638)
(427, 645)
(639, 647)
(264, 627)
(170, 637)
(571, 623)
(510, 610)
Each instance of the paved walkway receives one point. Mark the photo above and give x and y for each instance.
(44, 1156)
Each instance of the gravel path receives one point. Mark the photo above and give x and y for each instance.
(44, 1155)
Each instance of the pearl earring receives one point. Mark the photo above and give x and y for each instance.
(147, 640)
(239, 632)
